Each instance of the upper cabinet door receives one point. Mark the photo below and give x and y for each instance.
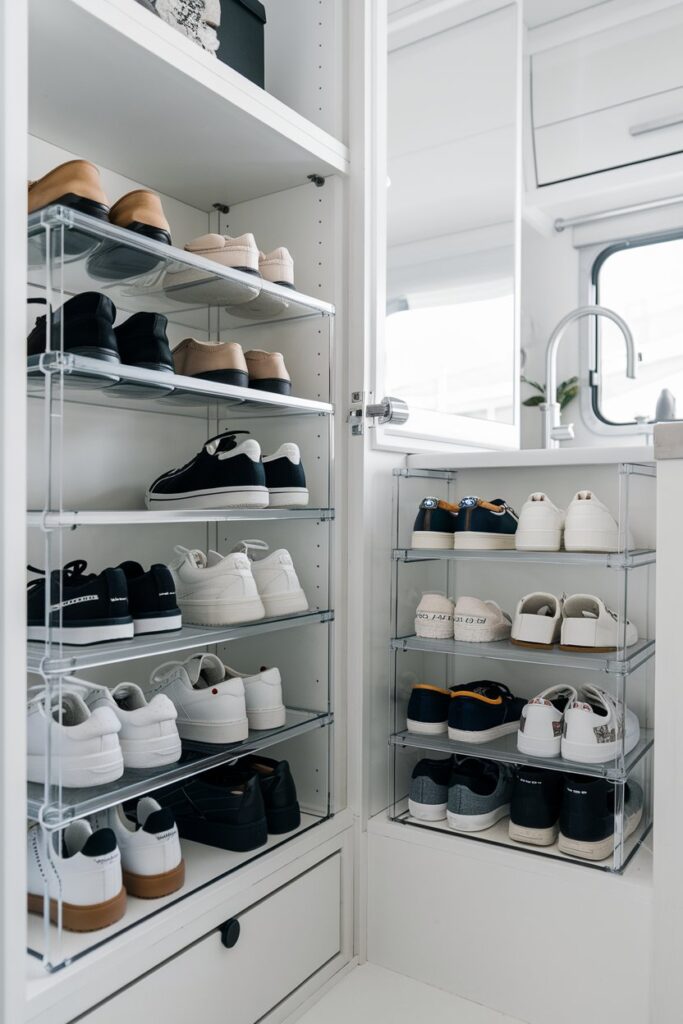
(448, 344)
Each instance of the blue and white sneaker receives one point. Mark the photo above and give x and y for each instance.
(428, 794)
(435, 524)
(483, 711)
(485, 525)
(479, 794)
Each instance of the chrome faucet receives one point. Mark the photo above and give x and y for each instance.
(553, 430)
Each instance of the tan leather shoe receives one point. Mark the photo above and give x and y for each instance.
(141, 211)
(277, 266)
(76, 184)
(267, 372)
(218, 361)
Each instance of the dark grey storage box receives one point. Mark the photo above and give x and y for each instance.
(241, 37)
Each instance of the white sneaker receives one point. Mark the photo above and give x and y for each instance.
(277, 266)
(434, 617)
(215, 591)
(149, 735)
(86, 877)
(263, 697)
(151, 858)
(595, 725)
(85, 745)
(537, 620)
(589, 525)
(211, 708)
(540, 724)
(478, 621)
(589, 625)
(540, 524)
(276, 579)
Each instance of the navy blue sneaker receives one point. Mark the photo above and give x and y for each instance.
(485, 525)
(535, 806)
(428, 709)
(435, 524)
(151, 598)
(587, 816)
(428, 794)
(85, 608)
(483, 711)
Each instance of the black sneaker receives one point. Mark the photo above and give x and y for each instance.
(428, 793)
(93, 608)
(224, 474)
(151, 598)
(285, 477)
(88, 327)
(278, 792)
(483, 711)
(223, 807)
(535, 806)
(435, 524)
(587, 816)
(142, 342)
(485, 525)
(428, 709)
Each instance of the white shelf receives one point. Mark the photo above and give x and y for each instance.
(147, 87)
(641, 455)
(617, 560)
(144, 517)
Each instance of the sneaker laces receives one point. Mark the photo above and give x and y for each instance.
(73, 572)
(228, 436)
(38, 693)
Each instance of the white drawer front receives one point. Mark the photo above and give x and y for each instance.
(283, 940)
(625, 63)
(628, 134)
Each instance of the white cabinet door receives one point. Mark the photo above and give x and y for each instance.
(283, 940)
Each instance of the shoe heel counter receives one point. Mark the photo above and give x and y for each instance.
(115, 587)
(470, 715)
(164, 589)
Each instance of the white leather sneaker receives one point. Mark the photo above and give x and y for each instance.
(263, 697)
(589, 625)
(211, 708)
(215, 591)
(277, 266)
(595, 725)
(537, 620)
(149, 735)
(478, 621)
(149, 844)
(434, 617)
(541, 524)
(589, 525)
(276, 579)
(84, 744)
(86, 876)
(540, 724)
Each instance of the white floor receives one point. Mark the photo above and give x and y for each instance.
(370, 994)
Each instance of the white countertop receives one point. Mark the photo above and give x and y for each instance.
(486, 459)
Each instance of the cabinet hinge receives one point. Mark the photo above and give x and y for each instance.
(389, 410)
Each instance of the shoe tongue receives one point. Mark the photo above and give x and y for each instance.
(205, 670)
(146, 806)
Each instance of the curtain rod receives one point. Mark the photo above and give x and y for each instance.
(569, 222)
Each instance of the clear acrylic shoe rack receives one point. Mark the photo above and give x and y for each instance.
(86, 500)
(625, 580)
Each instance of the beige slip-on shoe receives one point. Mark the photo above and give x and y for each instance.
(223, 362)
(267, 372)
(277, 266)
(193, 285)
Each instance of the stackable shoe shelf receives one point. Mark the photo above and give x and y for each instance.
(611, 671)
(61, 243)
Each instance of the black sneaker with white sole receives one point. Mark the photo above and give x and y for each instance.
(588, 812)
(151, 598)
(84, 608)
(285, 477)
(535, 806)
(434, 525)
(225, 474)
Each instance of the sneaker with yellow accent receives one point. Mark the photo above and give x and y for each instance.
(484, 525)
(483, 711)
(428, 709)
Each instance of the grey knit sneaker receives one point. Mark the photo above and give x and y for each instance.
(429, 788)
(478, 794)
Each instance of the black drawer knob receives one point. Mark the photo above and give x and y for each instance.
(230, 932)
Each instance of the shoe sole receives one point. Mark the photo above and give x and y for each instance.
(538, 540)
(538, 748)
(479, 634)
(283, 819)
(533, 646)
(152, 887)
(267, 718)
(433, 628)
(426, 728)
(483, 735)
(484, 541)
(284, 604)
(238, 838)
(158, 624)
(426, 812)
(151, 753)
(597, 753)
(116, 261)
(220, 498)
(222, 613)
(288, 497)
(425, 539)
(82, 919)
(81, 636)
(215, 733)
(534, 836)
(476, 822)
(78, 771)
(600, 849)
(606, 541)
